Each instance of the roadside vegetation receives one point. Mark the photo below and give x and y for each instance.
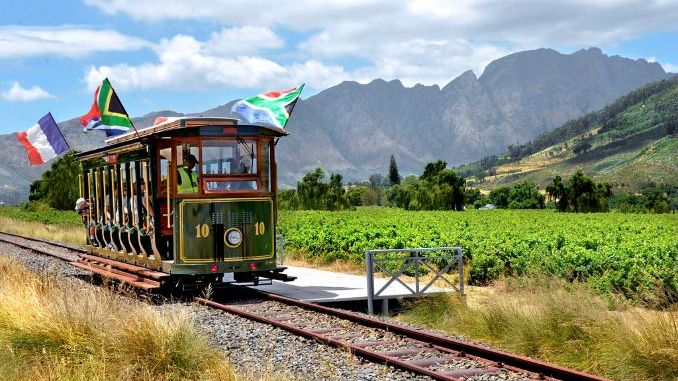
(48, 332)
(39, 220)
(560, 322)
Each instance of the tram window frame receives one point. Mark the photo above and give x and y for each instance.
(164, 167)
(255, 178)
(178, 143)
(265, 161)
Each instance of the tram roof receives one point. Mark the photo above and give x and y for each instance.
(181, 126)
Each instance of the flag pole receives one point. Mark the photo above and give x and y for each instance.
(125, 110)
(301, 88)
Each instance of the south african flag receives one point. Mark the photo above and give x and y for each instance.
(107, 112)
(274, 107)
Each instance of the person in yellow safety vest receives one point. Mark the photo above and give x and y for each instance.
(187, 179)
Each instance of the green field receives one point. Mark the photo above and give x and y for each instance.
(632, 254)
(41, 214)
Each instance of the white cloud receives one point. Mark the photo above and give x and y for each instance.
(69, 41)
(670, 68)
(295, 14)
(16, 93)
(187, 63)
(526, 21)
(246, 39)
(418, 41)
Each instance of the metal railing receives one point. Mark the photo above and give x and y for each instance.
(439, 261)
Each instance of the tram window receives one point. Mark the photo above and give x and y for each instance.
(229, 157)
(266, 166)
(165, 164)
(230, 185)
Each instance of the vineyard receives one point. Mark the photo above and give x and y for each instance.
(632, 254)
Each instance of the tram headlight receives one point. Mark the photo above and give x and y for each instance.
(233, 237)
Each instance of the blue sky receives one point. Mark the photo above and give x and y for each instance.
(193, 55)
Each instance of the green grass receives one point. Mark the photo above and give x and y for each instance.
(561, 323)
(42, 214)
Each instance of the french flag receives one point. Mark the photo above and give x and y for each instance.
(44, 141)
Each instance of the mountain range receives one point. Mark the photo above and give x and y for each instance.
(354, 128)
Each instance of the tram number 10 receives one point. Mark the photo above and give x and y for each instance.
(203, 230)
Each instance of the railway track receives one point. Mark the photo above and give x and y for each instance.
(418, 351)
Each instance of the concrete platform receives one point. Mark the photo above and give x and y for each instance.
(321, 286)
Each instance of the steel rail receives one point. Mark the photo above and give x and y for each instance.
(437, 341)
(371, 355)
(41, 251)
(518, 361)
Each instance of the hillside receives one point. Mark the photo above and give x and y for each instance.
(354, 128)
(630, 143)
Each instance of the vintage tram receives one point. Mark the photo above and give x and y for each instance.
(181, 203)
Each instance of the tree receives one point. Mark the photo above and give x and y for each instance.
(500, 197)
(288, 200)
(336, 199)
(471, 195)
(354, 195)
(437, 188)
(580, 194)
(525, 195)
(657, 202)
(393, 175)
(376, 180)
(311, 189)
(314, 194)
(457, 183)
(432, 169)
(58, 186)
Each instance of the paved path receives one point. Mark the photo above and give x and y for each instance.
(325, 286)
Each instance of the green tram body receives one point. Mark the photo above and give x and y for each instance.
(185, 235)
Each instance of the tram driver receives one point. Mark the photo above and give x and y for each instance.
(187, 179)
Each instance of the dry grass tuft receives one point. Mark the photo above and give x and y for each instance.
(61, 233)
(51, 331)
(562, 323)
